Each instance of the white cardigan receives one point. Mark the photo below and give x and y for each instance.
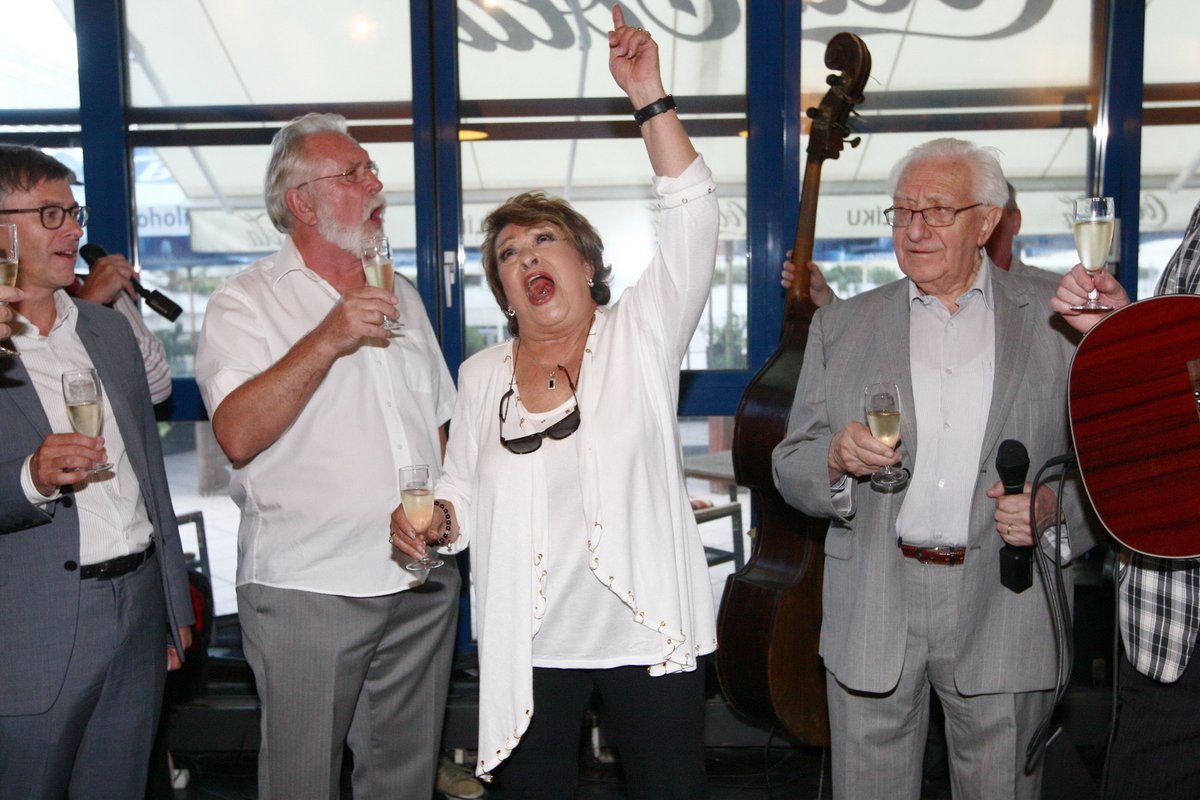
(645, 544)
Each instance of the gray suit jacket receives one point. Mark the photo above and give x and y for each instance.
(39, 547)
(1005, 639)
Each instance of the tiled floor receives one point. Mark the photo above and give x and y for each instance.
(764, 768)
(734, 774)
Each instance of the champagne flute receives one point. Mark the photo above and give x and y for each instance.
(1094, 221)
(84, 398)
(8, 267)
(416, 495)
(881, 403)
(376, 255)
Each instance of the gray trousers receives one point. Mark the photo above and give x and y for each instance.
(878, 740)
(368, 672)
(95, 741)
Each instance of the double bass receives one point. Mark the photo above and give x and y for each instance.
(770, 619)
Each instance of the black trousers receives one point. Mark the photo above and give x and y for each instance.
(1156, 749)
(657, 725)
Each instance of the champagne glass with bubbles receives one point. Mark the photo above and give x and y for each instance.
(376, 254)
(1093, 221)
(84, 398)
(881, 403)
(8, 267)
(416, 495)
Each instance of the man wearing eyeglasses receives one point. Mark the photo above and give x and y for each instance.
(318, 409)
(913, 596)
(110, 283)
(94, 600)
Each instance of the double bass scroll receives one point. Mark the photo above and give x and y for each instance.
(770, 619)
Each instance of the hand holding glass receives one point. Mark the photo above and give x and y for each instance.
(81, 391)
(8, 267)
(376, 255)
(881, 403)
(416, 495)
(1093, 221)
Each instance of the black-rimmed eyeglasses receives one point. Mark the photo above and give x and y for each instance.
(934, 216)
(356, 174)
(53, 217)
(531, 442)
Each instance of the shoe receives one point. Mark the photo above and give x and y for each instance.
(457, 783)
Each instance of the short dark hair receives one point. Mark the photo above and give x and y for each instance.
(23, 167)
(533, 208)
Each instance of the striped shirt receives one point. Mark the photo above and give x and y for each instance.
(1160, 598)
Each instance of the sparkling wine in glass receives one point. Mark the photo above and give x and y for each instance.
(376, 254)
(416, 495)
(1094, 221)
(84, 399)
(8, 267)
(881, 402)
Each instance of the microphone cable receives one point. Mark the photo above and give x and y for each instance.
(1114, 701)
(1054, 584)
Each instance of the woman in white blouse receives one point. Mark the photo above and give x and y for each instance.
(565, 474)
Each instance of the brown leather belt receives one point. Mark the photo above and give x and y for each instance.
(948, 556)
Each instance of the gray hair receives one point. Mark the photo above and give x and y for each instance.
(1011, 205)
(988, 183)
(288, 161)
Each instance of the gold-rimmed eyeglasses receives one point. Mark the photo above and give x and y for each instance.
(356, 174)
(53, 217)
(934, 216)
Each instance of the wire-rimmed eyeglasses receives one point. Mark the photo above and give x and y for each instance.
(531, 442)
(934, 216)
(356, 174)
(53, 217)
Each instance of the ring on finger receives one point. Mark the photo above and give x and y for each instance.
(1009, 531)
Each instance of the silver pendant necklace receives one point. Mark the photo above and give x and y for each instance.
(551, 374)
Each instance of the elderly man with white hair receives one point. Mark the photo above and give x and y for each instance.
(913, 596)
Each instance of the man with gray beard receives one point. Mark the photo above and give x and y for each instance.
(318, 409)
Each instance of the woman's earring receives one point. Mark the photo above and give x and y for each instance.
(512, 312)
(590, 283)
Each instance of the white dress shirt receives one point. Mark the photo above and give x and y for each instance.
(953, 358)
(112, 516)
(316, 504)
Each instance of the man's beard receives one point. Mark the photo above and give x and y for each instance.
(349, 237)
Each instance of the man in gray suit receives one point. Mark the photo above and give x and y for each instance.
(912, 591)
(94, 601)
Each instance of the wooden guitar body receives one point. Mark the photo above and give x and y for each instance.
(1134, 388)
(770, 620)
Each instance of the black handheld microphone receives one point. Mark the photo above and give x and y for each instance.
(91, 253)
(1016, 563)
